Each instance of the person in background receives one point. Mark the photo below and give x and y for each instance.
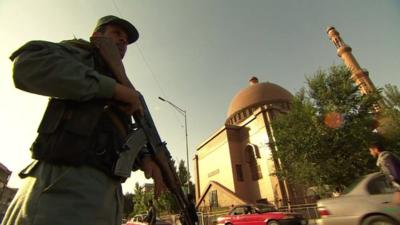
(336, 193)
(388, 163)
(151, 213)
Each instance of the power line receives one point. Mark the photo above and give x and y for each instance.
(147, 64)
(116, 7)
(142, 55)
(151, 71)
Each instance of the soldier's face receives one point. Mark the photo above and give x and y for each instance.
(118, 36)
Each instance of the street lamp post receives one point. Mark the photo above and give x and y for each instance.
(182, 112)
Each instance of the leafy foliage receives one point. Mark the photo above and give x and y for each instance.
(140, 199)
(324, 138)
(128, 204)
(390, 122)
(184, 177)
(392, 97)
(166, 203)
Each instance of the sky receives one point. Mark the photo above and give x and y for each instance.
(198, 55)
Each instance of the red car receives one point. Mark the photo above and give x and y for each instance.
(260, 214)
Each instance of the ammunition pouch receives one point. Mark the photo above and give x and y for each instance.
(78, 133)
(66, 131)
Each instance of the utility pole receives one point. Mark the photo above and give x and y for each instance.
(183, 113)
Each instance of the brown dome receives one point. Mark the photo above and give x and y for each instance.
(258, 94)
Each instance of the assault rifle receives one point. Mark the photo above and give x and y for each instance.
(144, 137)
(161, 155)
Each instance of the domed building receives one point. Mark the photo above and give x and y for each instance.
(235, 165)
(254, 96)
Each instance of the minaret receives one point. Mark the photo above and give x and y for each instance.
(359, 76)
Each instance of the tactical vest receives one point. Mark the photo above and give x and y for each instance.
(78, 133)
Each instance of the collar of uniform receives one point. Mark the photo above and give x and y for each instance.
(80, 43)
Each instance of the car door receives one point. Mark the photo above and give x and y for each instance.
(252, 217)
(381, 195)
(255, 219)
(237, 215)
(246, 215)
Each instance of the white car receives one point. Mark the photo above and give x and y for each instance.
(367, 202)
(139, 220)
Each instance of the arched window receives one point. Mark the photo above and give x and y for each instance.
(255, 152)
(251, 154)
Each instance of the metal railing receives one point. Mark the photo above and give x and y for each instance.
(309, 211)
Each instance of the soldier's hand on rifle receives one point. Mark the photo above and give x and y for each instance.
(151, 169)
(128, 100)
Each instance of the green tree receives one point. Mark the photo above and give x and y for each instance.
(390, 120)
(323, 139)
(166, 203)
(183, 173)
(392, 97)
(140, 199)
(184, 177)
(128, 204)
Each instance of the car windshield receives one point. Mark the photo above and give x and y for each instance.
(353, 185)
(251, 209)
(263, 208)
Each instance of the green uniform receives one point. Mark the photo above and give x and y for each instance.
(60, 70)
(58, 195)
(62, 194)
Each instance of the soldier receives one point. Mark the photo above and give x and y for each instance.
(71, 179)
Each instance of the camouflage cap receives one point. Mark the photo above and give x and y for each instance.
(130, 30)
